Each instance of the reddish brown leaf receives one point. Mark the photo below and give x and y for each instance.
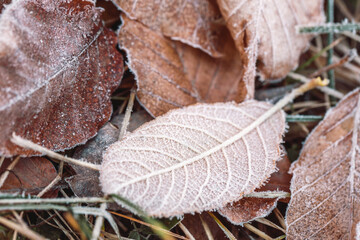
(30, 175)
(264, 32)
(325, 200)
(58, 67)
(249, 208)
(191, 22)
(171, 74)
(85, 182)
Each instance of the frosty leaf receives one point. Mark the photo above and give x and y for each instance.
(190, 22)
(325, 186)
(30, 175)
(58, 67)
(169, 74)
(194, 159)
(265, 32)
(250, 208)
(85, 182)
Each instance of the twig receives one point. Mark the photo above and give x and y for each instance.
(324, 89)
(348, 58)
(98, 224)
(7, 171)
(128, 111)
(328, 28)
(33, 146)
(25, 231)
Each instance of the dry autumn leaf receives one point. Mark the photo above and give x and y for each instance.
(171, 74)
(326, 181)
(250, 208)
(58, 67)
(191, 22)
(30, 175)
(194, 159)
(264, 31)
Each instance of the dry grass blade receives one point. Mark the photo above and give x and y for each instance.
(257, 232)
(269, 223)
(157, 228)
(23, 230)
(222, 226)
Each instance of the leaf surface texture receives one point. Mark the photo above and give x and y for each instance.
(193, 159)
(325, 187)
(58, 67)
(264, 31)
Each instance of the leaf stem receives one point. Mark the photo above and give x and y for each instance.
(327, 90)
(128, 111)
(33, 146)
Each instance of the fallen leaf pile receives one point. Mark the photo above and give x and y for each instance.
(195, 140)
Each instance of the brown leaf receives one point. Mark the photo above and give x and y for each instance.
(85, 182)
(264, 31)
(250, 208)
(325, 186)
(171, 74)
(191, 22)
(194, 159)
(58, 67)
(30, 175)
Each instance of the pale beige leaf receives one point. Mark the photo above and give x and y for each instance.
(264, 30)
(191, 22)
(194, 159)
(325, 187)
(171, 74)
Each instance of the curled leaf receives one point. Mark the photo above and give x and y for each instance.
(264, 31)
(58, 67)
(171, 74)
(325, 187)
(191, 22)
(194, 159)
